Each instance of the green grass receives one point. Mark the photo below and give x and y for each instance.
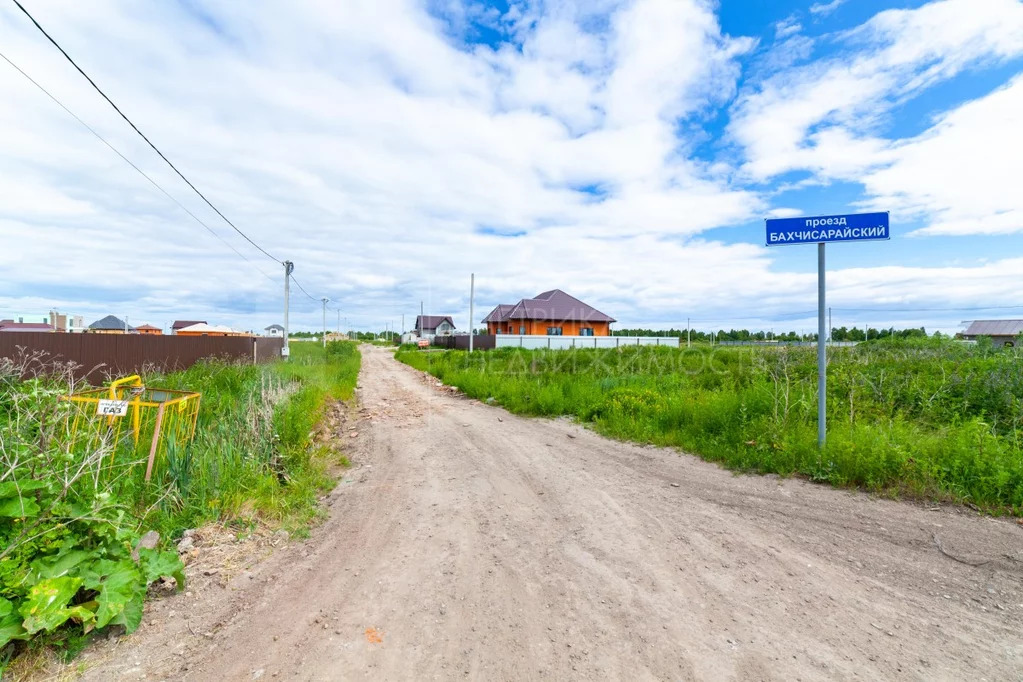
(253, 452)
(927, 419)
(71, 512)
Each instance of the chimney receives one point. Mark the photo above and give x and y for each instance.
(21, 320)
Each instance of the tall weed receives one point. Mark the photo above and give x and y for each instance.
(924, 418)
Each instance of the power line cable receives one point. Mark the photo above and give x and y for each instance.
(303, 289)
(928, 310)
(132, 164)
(135, 128)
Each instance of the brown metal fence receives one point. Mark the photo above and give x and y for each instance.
(461, 342)
(100, 355)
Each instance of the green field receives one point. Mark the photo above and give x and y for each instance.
(71, 514)
(928, 418)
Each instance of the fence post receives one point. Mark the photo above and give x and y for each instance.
(155, 443)
(255, 354)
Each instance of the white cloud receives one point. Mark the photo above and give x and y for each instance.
(963, 173)
(356, 140)
(823, 9)
(957, 174)
(787, 27)
(366, 142)
(791, 120)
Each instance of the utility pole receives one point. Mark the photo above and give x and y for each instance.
(828, 337)
(403, 324)
(339, 322)
(289, 267)
(689, 334)
(472, 292)
(324, 299)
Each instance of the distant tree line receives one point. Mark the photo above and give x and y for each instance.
(837, 334)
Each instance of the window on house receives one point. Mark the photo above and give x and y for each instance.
(553, 331)
(522, 329)
(586, 331)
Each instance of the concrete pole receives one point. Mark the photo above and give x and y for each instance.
(324, 320)
(289, 268)
(689, 334)
(472, 313)
(822, 354)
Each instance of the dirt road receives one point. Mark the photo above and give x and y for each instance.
(467, 543)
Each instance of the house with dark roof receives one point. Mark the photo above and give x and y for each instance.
(552, 313)
(181, 324)
(110, 325)
(1001, 332)
(429, 326)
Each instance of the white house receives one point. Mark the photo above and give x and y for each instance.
(429, 326)
(274, 330)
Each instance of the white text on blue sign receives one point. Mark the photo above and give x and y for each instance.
(833, 228)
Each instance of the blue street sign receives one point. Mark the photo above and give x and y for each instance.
(853, 227)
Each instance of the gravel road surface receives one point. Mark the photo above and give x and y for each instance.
(467, 543)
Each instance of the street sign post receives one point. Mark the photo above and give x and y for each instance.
(851, 227)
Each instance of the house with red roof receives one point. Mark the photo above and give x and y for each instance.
(552, 313)
(22, 326)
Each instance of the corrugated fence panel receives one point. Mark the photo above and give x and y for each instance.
(566, 342)
(100, 355)
(268, 349)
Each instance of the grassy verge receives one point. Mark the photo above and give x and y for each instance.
(926, 419)
(72, 513)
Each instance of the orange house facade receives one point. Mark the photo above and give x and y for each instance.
(203, 329)
(552, 313)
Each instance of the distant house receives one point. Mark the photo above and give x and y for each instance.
(22, 326)
(1002, 332)
(274, 330)
(429, 326)
(149, 329)
(552, 313)
(58, 321)
(203, 329)
(181, 324)
(110, 325)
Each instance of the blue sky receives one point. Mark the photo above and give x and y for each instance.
(626, 151)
